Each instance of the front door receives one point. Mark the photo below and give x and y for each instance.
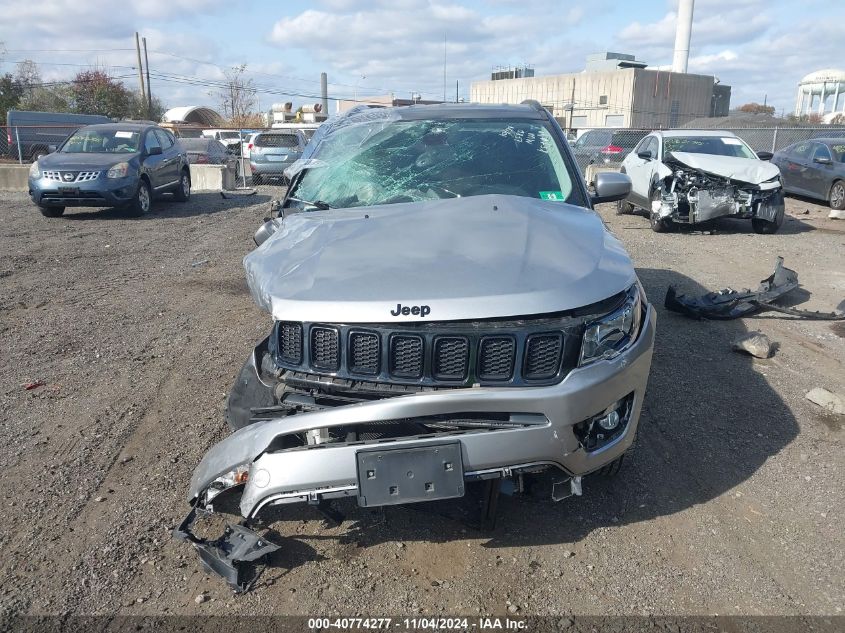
(154, 163)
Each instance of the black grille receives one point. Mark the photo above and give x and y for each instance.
(451, 358)
(290, 342)
(542, 358)
(496, 358)
(434, 354)
(325, 348)
(406, 356)
(364, 353)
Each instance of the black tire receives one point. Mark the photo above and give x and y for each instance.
(143, 200)
(837, 195)
(51, 212)
(658, 224)
(623, 207)
(182, 193)
(765, 227)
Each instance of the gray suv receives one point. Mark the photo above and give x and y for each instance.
(272, 152)
(111, 165)
(447, 307)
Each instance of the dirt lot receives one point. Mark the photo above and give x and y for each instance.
(733, 503)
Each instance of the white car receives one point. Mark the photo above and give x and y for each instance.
(692, 176)
(230, 138)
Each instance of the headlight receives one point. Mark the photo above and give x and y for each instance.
(118, 171)
(34, 170)
(612, 334)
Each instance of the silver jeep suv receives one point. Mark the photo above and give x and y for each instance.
(446, 307)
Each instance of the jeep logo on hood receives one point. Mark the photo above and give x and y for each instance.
(422, 311)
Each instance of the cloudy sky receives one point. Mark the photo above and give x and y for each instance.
(369, 47)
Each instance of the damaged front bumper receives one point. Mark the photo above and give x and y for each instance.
(530, 428)
(690, 198)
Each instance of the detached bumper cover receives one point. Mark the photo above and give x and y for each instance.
(228, 556)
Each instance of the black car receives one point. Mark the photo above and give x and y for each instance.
(111, 165)
(814, 168)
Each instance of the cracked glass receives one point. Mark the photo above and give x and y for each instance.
(385, 160)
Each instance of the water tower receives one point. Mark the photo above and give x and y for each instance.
(825, 85)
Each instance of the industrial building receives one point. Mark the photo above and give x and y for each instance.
(614, 90)
(617, 90)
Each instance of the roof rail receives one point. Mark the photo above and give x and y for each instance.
(534, 104)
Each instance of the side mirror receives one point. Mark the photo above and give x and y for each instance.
(52, 148)
(765, 155)
(265, 231)
(611, 186)
(154, 151)
(646, 155)
(822, 161)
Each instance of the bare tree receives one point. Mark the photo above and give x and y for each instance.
(28, 76)
(237, 98)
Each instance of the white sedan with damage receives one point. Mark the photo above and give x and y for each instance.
(693, 176)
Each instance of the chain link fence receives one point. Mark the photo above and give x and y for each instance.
(609, 147)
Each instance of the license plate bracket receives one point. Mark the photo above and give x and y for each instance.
(410, 475)
(69, 191)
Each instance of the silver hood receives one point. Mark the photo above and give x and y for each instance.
(750, 170)
(462, 258)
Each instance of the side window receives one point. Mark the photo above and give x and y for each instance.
(164, 139)
(821, 151)
(802, 150)
(652, 147)
(642, 145)
(151, 141)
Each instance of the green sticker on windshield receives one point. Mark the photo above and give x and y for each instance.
(551, 195)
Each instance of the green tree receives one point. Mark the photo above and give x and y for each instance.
(10, 95)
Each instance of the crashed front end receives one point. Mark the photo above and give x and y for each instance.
(696, 191)
(527, 348)
(313, 438)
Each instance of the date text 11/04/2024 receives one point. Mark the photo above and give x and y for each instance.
(418, 624)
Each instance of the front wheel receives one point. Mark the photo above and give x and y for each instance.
(183, 191)
(767, 227)
(51, 212)
(837, 195)
(142, 202)
(658, 224)
(623, 207)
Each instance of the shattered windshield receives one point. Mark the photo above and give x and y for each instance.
(387, 161)
(716, 145)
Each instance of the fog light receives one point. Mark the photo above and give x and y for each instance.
(610, 421)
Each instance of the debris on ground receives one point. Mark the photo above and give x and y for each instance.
(836, 214)
(734, 304)
(33, 385)
(199, 263)
(833, 402)
(201, 598)
(754, 343)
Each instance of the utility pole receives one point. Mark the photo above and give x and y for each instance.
(149, 86)
(444, 66)
(456, 91)
(140, 68)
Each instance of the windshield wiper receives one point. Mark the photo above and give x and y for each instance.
(323, 206)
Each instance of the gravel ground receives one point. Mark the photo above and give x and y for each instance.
(732, 504)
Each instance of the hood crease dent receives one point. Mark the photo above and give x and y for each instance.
(751, 170)
(464, 258)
